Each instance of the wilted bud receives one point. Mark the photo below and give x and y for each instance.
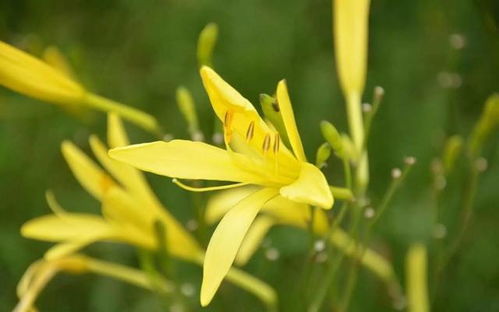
(206, 43)
(322, 155)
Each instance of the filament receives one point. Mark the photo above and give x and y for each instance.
(209, 188)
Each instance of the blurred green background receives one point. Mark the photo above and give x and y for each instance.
(437, 60)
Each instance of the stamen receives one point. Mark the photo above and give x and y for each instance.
(277, 143)
(266, 143)
(209, 188)
(251, 131)
(227, 126)
(227, 118)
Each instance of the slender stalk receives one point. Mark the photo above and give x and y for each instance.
(356, 126)
(387, 198)
(129, 275)
(138, 117)
(467, 212)
(324, 285)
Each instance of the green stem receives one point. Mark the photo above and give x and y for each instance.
(138, 117)
(334, 264)
(356, 125)
(467, 212)
(387, 198)
(128, 275)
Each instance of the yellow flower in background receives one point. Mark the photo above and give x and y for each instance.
(129, 213)
(129, 207)
(41, 272)
(254, 155)
(52, 82)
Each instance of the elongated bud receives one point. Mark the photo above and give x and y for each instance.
(452, 148)
(486, 125)
(416, 275)
(350, 38)
(206, 44)
(322, 155)
(272, 112)
(333, 137)
(187, 107)
(30, 76)
(341, 193)
(349, 151)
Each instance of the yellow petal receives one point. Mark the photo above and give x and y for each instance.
(254, 238)
(243, 116)
(183, 159)
(132, 179)
(285, 211)
(28, 75)
(72, 226)
(220, 203)
(116, 134)
(227, 238)
(90, 176)
(288, 118)
(135, 220)
(311, 188)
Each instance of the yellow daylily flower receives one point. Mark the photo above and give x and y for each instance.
(41, 272)
(254, 155)
(129, 212)
(52, 82)
(122, 220)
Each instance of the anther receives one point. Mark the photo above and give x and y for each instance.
(277, 143)
(251, 131)
(275, 106)
(266, 143)
(228, 118)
